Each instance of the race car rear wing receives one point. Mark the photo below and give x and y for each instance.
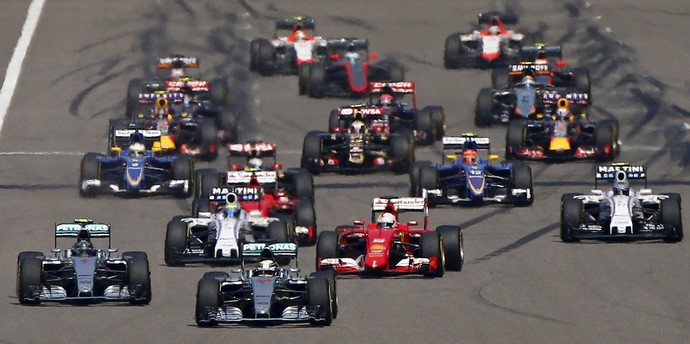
(551, 51)
(505, 18)
(608, 172)
(343, 43)
(177, 60)
(401, 204)
(74, 229)
(290, 23)
(147, 98)
(456, 143)
(259, 148)
(243, 193)
(551, 97)
(402, 87)
(243, 177)
(362, 110)
(520, 68)
(274, 251)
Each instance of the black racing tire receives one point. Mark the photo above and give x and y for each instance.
(312, 149)
(515, 138)
(671, 217)
(182, 168)
(604, 136)
(452, 52)
(423, 123)
(415, 190)
(402, 150)
(29, 276)
(326, 247)
(253, 54)
(278, 231)
(139, 277)
(134, 88)
(219, 275)
(204, 180)
(90, 168)
(317, 79)
(267, 58)
(483, 114)
(499, 77)
(219, 92)
(429, 247)
(453, 246)
(303, 185)
(428, 177)
(438, 120)
(227, 121)
(209, 138)
(333, 120)
(175, 240)
(333, 284)
(289, 220)
(303, 78)
(522, 179)
(582, 80)
(305, 216)
(319, 293)
(207, 296)
(572, 211)
(199, 205)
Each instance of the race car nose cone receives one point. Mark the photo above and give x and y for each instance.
(262, 313)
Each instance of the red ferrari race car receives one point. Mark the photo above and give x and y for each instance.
(386, 113)
(388, 246)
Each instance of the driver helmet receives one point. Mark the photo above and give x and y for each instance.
(541, 58)
(562, 113)
(267, 268)
(177, 73)
(137, 149)
(300, 35)
(528, 80)
(386, 220)
(494, 30)
(357, 127)
(254, 164)
(82, 247)
(386, 100)
(620, 184)
(232, 206)
(469, 156)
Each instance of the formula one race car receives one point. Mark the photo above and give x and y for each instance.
(347, 71)
(216, 236)
(266, 293)
(83, 273)
(291, 47)
(621, 213)
(548, 68)
(465, 178)
(178, 73)
(135, 172)
(387, 246)
(358, 150)
(562, 136)
(384, 113)
(490, 46)
(524, 100)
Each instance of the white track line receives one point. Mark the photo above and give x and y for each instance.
(14, 68)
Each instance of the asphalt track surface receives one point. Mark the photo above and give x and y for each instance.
(520, 283)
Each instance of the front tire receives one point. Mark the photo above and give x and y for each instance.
(175, 241)
(139, 280)
(207, 297)
(571, 216)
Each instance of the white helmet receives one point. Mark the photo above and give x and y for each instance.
(299, 35)
(494, 30)
(254, 164)
(267, 268)
(137, 149)
(621, 186)
(357, 127)
(176, 73)
(562, 113)
(386, 220)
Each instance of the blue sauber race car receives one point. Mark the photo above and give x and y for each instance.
(465, 178)
(135, 172)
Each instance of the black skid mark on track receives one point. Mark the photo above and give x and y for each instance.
(36, 187)
(518, 243)
(365, 185)
(350, 21)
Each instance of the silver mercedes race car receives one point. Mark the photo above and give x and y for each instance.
(621, 213)
(266, 293)
(82, 273)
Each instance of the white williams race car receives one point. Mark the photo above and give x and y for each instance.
(621, 213)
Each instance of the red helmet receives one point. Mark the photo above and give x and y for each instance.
(469, 156)
(386, 100)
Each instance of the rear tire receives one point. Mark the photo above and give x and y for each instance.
(303, 185)
(499, 77)
(312, 148)
(423, 123)
(453, 247)
(278, 231)
(134, 88)
(571, 216)
(515, 138)
(333, 120)
(326, 247)
(207, 296)
(522, 179)
(139, 281)
(583, 81)
(204, 180)
(430, 247)
(305, 216)
(402, 150)
(209, 138)
(29, 273)
(90, 169)
(317, 79)
(303, 78)
(452, 52)
(483, 115)
(603, 137)
(182, 170)
(267, 57)
(175, 240)
(415, 189)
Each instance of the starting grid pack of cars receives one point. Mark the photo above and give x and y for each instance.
(254, 215)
